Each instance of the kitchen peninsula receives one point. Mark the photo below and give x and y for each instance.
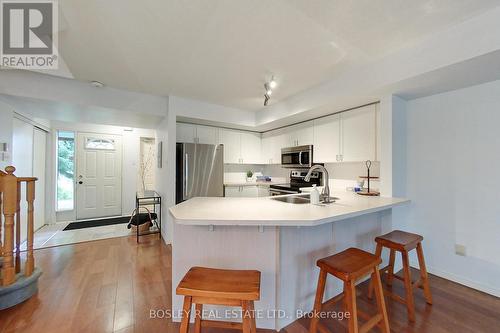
(280, 239)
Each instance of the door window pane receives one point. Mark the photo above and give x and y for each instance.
(65, 170)
(104, 144)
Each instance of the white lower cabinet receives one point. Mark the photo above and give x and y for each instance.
(263, 191)
(232, 191)
(247, 191)
(250, 191)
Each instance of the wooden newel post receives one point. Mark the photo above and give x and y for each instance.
(9, 210)
(30, 197)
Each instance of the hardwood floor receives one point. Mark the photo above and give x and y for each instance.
(111, 285)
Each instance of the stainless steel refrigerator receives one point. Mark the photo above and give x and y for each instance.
(199, 171)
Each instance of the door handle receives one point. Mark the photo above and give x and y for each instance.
(80, 182)
(300, 157)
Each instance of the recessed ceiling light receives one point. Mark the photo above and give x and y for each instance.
(97, 84)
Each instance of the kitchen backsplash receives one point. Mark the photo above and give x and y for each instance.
(342, 175)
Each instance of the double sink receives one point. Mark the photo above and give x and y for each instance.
(299, 199)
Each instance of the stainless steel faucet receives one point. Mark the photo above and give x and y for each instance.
(325, 194)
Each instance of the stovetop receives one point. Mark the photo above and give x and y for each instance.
(297, 181)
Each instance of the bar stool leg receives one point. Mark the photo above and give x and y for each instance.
(198, 317)
(245, 317)
(186, 314)
(378, 253)
(423, 274)
(390, 269)
(253, 326)
(410, 303)
(350, 299)
(318, 302)
(379, 294)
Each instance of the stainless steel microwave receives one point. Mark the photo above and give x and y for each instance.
(297, 157)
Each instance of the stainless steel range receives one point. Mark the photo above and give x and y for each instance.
(296, 182)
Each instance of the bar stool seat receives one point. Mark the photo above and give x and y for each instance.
(203, 285)
(350, 266)
(399, 240)
(404, 242)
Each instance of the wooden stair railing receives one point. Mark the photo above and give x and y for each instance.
(10, 208)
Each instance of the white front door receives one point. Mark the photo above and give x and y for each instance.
(99, 175)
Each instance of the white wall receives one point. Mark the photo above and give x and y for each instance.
(6, 118)
(131, 153)
(165, 177)
(453, 154)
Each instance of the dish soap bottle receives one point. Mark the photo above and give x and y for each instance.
(314, 195)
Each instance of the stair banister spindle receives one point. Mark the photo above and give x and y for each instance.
(30, 197)
(18, 228)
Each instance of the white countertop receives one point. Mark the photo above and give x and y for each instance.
(253, 183)
(264, 211)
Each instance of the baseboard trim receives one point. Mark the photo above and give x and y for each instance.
(460, 280)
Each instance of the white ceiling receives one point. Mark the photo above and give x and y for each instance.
(222, 51)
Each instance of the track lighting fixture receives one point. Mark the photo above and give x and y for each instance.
(269, 86)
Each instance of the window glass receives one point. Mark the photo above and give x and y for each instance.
(65, 170)
(95, 143)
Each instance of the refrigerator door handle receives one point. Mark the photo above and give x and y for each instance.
(186, 173)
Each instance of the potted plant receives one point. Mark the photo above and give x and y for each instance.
(249, 176)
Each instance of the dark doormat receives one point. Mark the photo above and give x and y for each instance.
(97, 223)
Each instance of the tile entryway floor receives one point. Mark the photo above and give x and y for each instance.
(53, 234)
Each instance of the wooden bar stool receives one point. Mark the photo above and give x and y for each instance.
(404, 242)
(219, 287)
(350, 266)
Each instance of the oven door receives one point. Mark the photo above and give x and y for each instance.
(297, 157)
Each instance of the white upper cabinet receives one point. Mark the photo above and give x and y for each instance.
(327, 139)
(251, 148)
(206, 134)
(241, 147)
(272, 142)
(350, 136)
(299, 135)
(186, 133)
(358, 140)
(232, 145)
(190, 133)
